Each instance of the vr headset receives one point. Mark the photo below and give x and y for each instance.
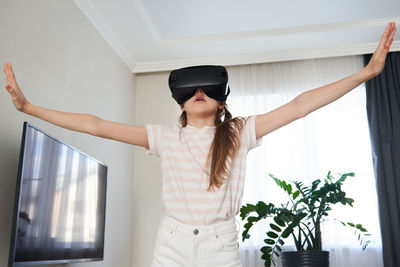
(213, 80)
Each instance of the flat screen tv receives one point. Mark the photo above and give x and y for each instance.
(60, 200)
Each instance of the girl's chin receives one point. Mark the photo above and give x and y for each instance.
(201, 112)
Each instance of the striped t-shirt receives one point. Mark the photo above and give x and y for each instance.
(183, 152)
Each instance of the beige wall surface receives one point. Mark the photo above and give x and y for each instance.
(154, 105)
(62, 62)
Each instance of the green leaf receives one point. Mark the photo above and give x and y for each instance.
(296, 194)
(253, 219)
(272, 234)
(245, 210)
(315, 184)
(269, 241)
(284, 185)
(266, 257)
(289, 189)
(275, 227)
(328, 175)
(266, 249)
(287, 232)
(279, 221)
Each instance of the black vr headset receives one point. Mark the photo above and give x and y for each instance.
(213, 80)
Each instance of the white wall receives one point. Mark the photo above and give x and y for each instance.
(154, 105)
(61, 62)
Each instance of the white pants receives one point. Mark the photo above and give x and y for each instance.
(182, 245)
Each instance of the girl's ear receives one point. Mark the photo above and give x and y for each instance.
(222, 105)
(182, 107)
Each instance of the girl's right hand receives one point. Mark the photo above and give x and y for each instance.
(13, 89)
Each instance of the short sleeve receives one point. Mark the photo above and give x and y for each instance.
(154, 135)
(249, 133)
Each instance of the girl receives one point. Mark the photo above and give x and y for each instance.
(203, 160)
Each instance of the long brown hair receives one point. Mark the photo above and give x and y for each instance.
(225, 144)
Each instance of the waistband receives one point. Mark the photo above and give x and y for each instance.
(229, 225)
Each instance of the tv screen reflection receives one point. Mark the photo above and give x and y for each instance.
(62, 202)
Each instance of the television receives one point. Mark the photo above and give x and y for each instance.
(60, 200)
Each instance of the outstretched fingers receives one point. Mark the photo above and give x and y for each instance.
(387, 36)
(377, 61)
(13, 89)
(391, 36)
(7, 69)
(10, 76)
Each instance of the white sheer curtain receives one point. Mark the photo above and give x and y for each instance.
(334, 138)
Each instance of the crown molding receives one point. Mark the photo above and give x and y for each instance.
(273, 56)
(102, 27)
(336, 26)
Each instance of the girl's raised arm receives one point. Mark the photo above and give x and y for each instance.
(86, 123)
(311, 100)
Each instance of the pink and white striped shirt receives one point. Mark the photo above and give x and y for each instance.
(183, 152)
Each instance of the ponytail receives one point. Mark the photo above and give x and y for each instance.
(224, 147)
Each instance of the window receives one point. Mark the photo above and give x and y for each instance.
(335, 138)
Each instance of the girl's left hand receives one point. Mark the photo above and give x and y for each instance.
(377, 62)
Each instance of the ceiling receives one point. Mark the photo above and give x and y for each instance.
(158, 35)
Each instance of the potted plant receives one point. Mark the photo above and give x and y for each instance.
(301, 217)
